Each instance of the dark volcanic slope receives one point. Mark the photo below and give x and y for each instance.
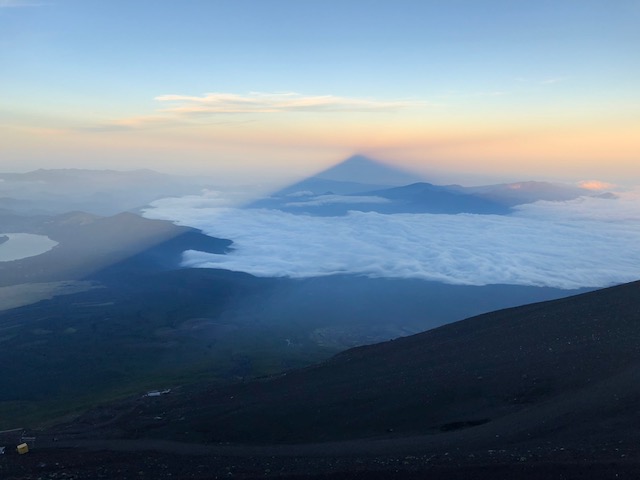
(562, 370)
(141, 331)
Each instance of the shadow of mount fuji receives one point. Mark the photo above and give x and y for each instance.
(354, 175)
(362, 184)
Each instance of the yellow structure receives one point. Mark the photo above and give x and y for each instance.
(23, 448)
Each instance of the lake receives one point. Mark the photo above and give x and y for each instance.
(23, 245)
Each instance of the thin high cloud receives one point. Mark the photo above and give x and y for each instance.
(212, 108)
(256, 102)
(589, 242)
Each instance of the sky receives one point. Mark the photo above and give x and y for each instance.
(459, 90)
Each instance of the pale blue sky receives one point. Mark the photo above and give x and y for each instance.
(74, 64)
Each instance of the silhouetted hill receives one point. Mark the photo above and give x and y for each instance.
(511, 194)
(427, 198)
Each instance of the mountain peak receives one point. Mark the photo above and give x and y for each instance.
(359, 168)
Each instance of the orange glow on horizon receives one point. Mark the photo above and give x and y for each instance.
(282, 147)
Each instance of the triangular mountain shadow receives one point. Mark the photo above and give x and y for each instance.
(354, 175)
(359, 168)
(362, 184)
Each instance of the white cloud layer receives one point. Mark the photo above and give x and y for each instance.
(588, 242)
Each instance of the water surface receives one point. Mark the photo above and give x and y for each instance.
(23, 245)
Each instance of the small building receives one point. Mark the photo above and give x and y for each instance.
(22, 448)
(157, 393)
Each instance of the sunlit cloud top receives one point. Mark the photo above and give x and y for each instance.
(596, 185)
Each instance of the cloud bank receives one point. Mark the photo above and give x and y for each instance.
(589, 242)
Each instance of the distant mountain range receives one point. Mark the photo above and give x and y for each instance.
(363, 184)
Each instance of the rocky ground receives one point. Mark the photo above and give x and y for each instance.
(166, 460)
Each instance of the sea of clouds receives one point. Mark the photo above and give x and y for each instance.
(587, 242)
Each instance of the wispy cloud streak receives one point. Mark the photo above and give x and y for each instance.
(212, 107)
(256, 102)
